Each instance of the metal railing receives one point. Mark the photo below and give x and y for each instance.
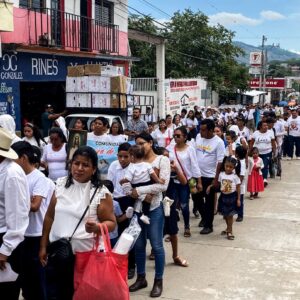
(55, 28)
(144, 84)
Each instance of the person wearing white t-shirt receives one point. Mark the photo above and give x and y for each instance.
(99, 134)
(264, 140)
(162, 135)
(116, 134)
(293, 125)
(184, 157)
(32, 275)
(250, 118)
(229, 200)
(240, 154)
(192, 123)
(210, 151)
(55, 155)
(243, 130)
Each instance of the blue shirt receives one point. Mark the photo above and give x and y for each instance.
(118, 212)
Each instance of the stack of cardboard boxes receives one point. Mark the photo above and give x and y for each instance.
(94, 86)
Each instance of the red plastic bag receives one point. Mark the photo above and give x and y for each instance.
(101, 275)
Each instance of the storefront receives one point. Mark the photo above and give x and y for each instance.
(28, 81)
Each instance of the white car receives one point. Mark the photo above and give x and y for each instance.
(71, 119)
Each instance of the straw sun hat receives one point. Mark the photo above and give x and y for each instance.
(5, 143)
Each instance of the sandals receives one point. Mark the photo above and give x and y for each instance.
(224, 232)
(187, 232)
(230, 236)
(180, 262)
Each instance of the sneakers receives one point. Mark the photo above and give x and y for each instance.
(288, 158)
(145, 219)
(196, 214)
(298, 158)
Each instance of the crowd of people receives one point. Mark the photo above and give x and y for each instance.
(212, 157)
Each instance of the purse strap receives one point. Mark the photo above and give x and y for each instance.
(84, 213)
(180, 163)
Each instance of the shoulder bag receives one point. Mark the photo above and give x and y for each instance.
(60, 251)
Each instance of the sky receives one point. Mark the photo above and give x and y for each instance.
(278, 20)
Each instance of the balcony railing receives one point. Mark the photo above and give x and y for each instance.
(54, 28)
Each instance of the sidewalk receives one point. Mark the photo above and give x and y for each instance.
(263, 262)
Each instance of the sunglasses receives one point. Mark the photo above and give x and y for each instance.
(178, 136)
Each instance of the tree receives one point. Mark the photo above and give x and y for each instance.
(194, 49)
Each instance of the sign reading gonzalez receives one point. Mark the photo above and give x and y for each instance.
(107, 153)
(273, 83)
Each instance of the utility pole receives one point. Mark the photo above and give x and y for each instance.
(262, 77)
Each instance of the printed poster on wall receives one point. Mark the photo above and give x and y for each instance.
(183, 93)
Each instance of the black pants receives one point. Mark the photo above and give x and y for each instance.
(60, 280)
(124, 203)
(11, 290)
(205, 203)
(32, 275)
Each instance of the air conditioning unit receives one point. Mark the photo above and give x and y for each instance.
(7, 16)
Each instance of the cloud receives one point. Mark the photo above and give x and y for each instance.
(294, 51)
(163, 22)
(227, 19)
(271, 15)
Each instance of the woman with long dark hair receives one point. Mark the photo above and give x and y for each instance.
(55, 155)
(153, 231)
(72, 196)
(33, 136)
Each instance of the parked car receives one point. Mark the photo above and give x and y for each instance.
(71, 119)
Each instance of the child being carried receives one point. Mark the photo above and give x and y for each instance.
(140, 173)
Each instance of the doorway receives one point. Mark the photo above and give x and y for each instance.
(35, 95)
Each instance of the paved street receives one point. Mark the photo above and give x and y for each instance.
(263, 262)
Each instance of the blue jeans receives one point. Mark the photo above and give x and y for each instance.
(182, 194)
(240, 210)
(266, 160)
(154, 232)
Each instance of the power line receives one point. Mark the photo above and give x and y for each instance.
(156, 8)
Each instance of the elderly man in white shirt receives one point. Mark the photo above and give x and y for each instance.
(14, 211)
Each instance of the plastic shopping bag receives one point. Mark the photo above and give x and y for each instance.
(104, 275)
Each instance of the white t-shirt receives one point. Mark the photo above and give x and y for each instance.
(97, 138)
(251, 114)
(188, 161)
(209, 152)
(263, 141)
(161, 138)
(38, 186)
(120, 138)
(294, 126)
(115, 174)
(245, 133)
(228, 182)
(139, 172)
(243, 173)
(56, 161)
(190, 123)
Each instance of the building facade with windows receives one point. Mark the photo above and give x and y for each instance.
(47, 37)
